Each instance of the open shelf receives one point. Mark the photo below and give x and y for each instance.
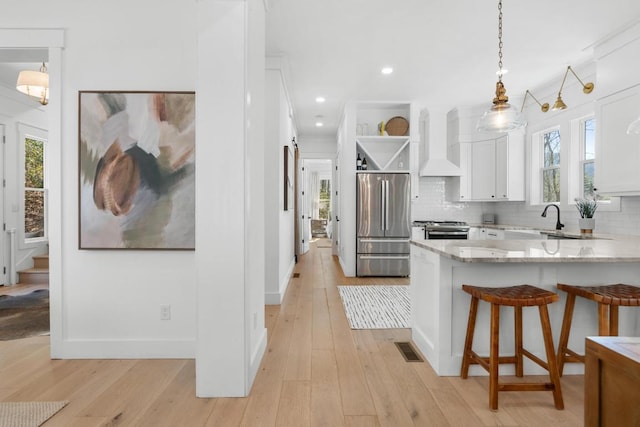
(384, 153)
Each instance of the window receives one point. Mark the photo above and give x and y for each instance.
(35, 201)
(325, 199)
(551, 166)
(587, 156)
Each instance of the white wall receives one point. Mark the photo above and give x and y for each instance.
(279, 224)
(106, 303)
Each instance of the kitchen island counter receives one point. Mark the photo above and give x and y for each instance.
(518, 251)
(440, 307)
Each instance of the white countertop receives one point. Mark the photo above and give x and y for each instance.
(526, 251)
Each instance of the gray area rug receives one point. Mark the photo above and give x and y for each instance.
(24, 316)
(28, 414)
(377, 307)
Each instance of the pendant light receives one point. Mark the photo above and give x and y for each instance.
(501, 117)
(35, 84)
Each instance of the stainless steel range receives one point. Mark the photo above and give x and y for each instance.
(444, 229)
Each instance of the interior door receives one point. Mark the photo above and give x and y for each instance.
(5, 269)
(296, 202)
(305, 229)
(335, 207)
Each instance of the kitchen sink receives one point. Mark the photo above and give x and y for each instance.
(562, 237)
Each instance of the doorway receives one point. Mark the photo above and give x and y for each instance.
(316, 197)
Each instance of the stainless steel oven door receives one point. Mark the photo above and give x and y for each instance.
(441, 235)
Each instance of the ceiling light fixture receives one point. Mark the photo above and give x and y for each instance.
(319, 124)
(35, 84)
(586, 88)
(501, 117)
(320, 100)
(387, 70)
(543, 107)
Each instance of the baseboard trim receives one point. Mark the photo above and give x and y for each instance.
(256, 359)
(275, 298)
(124, 349)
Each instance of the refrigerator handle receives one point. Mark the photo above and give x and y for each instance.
(386, 205)
(382, 205)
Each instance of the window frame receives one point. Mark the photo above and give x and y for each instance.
(26, 131)
(536, 183)
(556, 167)
(611, 203)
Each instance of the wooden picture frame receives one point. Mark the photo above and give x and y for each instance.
(136, 170)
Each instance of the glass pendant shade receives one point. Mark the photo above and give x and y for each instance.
(634, 127)
(35, 84)
(501, 118)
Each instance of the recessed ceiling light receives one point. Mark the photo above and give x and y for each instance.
(320, 99)
(387, 70)
(319, 124)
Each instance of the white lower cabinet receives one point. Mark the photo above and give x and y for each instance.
(481, 233)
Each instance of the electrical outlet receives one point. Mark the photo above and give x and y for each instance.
(165, 312)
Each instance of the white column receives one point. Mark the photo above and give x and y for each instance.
(229, 202)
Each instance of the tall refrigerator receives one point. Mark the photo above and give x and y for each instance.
(383, 229)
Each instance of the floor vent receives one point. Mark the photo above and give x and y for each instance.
(296, 275)
(409, 354)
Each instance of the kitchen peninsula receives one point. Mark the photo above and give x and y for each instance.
(440, 307)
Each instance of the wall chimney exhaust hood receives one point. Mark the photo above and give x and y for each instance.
(433, 132)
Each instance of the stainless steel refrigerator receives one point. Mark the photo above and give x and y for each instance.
(383, 224)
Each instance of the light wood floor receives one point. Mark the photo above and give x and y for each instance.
(316, 371)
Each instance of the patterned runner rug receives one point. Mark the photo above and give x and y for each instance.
(28, 414)
(377, 307)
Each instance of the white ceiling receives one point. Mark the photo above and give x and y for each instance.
(444, 53)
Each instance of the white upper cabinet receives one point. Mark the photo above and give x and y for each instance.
(493, 169)
(483, 170)
(617, 161)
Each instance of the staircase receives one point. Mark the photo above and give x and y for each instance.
(39, 274)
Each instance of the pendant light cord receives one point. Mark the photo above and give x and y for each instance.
(500, 40)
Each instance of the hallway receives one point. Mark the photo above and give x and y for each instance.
(316, 371)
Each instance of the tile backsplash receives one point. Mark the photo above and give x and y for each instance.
(434, 205)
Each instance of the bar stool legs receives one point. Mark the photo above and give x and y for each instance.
(609, 298)
(492, 363)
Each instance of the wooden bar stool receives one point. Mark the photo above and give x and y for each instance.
(517, 297)
(609, 298)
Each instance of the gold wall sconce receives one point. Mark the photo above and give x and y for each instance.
(586, 88)
(543, 107)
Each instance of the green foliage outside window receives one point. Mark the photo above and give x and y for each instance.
(34, 204)
(325, 199)
(551, 167)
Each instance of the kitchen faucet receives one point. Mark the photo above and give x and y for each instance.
(559, 225)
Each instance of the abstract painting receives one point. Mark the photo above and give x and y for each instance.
(137, 170)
